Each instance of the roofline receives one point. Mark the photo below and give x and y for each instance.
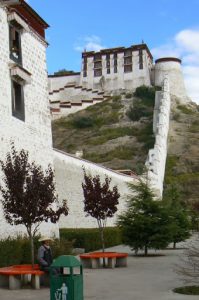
(32, 12)
(118, 50)
(167, 59)
(64, 75)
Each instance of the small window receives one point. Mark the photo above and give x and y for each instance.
(85, 74)
(140, 59)
(97, 57)
(15, 44)
(18, 101)
(115, 69)
(108, 71)
(97, 72)
(127, 68)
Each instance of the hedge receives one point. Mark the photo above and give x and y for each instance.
(14, 251)
(89, 238)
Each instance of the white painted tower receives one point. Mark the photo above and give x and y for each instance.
(171, 67)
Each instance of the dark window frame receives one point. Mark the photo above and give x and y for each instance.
(18, 107)
(15, 44)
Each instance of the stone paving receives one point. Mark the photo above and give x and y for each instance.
(149, 278)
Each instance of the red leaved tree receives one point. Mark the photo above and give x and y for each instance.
(28, 194)
(100, 201)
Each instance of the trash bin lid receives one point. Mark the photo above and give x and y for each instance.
(66, 261)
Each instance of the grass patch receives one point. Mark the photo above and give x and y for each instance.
(187, 290)
(120, 152)
(185, 110)
(143, 105)
(194, 128)
(146, 136)
(111, 133)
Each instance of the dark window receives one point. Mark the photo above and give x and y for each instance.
(97, 57)
(128, 61)
(15, 44)
(97, 72)
(140, 59)
(127, 68)
(85, 67)
(108, 71)
(115, 69)
(128, 53)
(108, 56)
(17, 101)
(97, 65)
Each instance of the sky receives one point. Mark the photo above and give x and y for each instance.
(168, 27)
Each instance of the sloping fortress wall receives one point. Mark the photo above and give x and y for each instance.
(69, 177)
(24, 113)
(156, 160)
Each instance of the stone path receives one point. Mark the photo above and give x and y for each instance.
(144, 279)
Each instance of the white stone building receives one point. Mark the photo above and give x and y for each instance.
(117, 68)
(24, 105)
(24, 109)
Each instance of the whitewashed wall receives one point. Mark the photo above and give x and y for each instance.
(157, 156)
(69, 178)
(119, 80)
(173, 70)
(55, 83)
(34, 134)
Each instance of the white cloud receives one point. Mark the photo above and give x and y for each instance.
(89, 43)
(184, 45)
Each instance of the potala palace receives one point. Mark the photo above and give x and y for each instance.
(29, 99)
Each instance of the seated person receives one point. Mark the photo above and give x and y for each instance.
(45, 254)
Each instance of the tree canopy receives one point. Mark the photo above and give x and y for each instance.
(146, 223)
(28, 193)
(100, 200)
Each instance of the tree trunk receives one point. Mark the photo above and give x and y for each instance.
(145, 250)
(101, 228)
(32, 249)
(174, 245)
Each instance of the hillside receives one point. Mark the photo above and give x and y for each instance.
(182, 166)
(116, 133)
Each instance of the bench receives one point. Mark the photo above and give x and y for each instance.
(14, 277)
(94, 260)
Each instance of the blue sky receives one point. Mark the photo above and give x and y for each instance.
(168, 27)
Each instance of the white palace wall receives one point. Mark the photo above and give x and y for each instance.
(33, 134)
(69, 178)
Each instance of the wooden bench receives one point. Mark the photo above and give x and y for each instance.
(14, 277)
(94, 260)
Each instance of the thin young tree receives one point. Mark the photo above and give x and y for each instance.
(28, 194)
(100, 200)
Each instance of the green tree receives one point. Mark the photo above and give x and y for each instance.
(28, 194)
(146, 223)
(180, 219)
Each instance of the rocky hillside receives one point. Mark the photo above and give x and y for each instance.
(116, 133)
(182, 166)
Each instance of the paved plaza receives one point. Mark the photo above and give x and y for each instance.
(145, 278)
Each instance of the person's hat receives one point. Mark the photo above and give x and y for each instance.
(45, 238)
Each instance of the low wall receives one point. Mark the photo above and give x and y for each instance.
(69, 178)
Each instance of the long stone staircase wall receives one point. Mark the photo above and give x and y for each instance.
(156, 160)
(72, 98)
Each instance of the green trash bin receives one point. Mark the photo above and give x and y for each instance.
(66, 278)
